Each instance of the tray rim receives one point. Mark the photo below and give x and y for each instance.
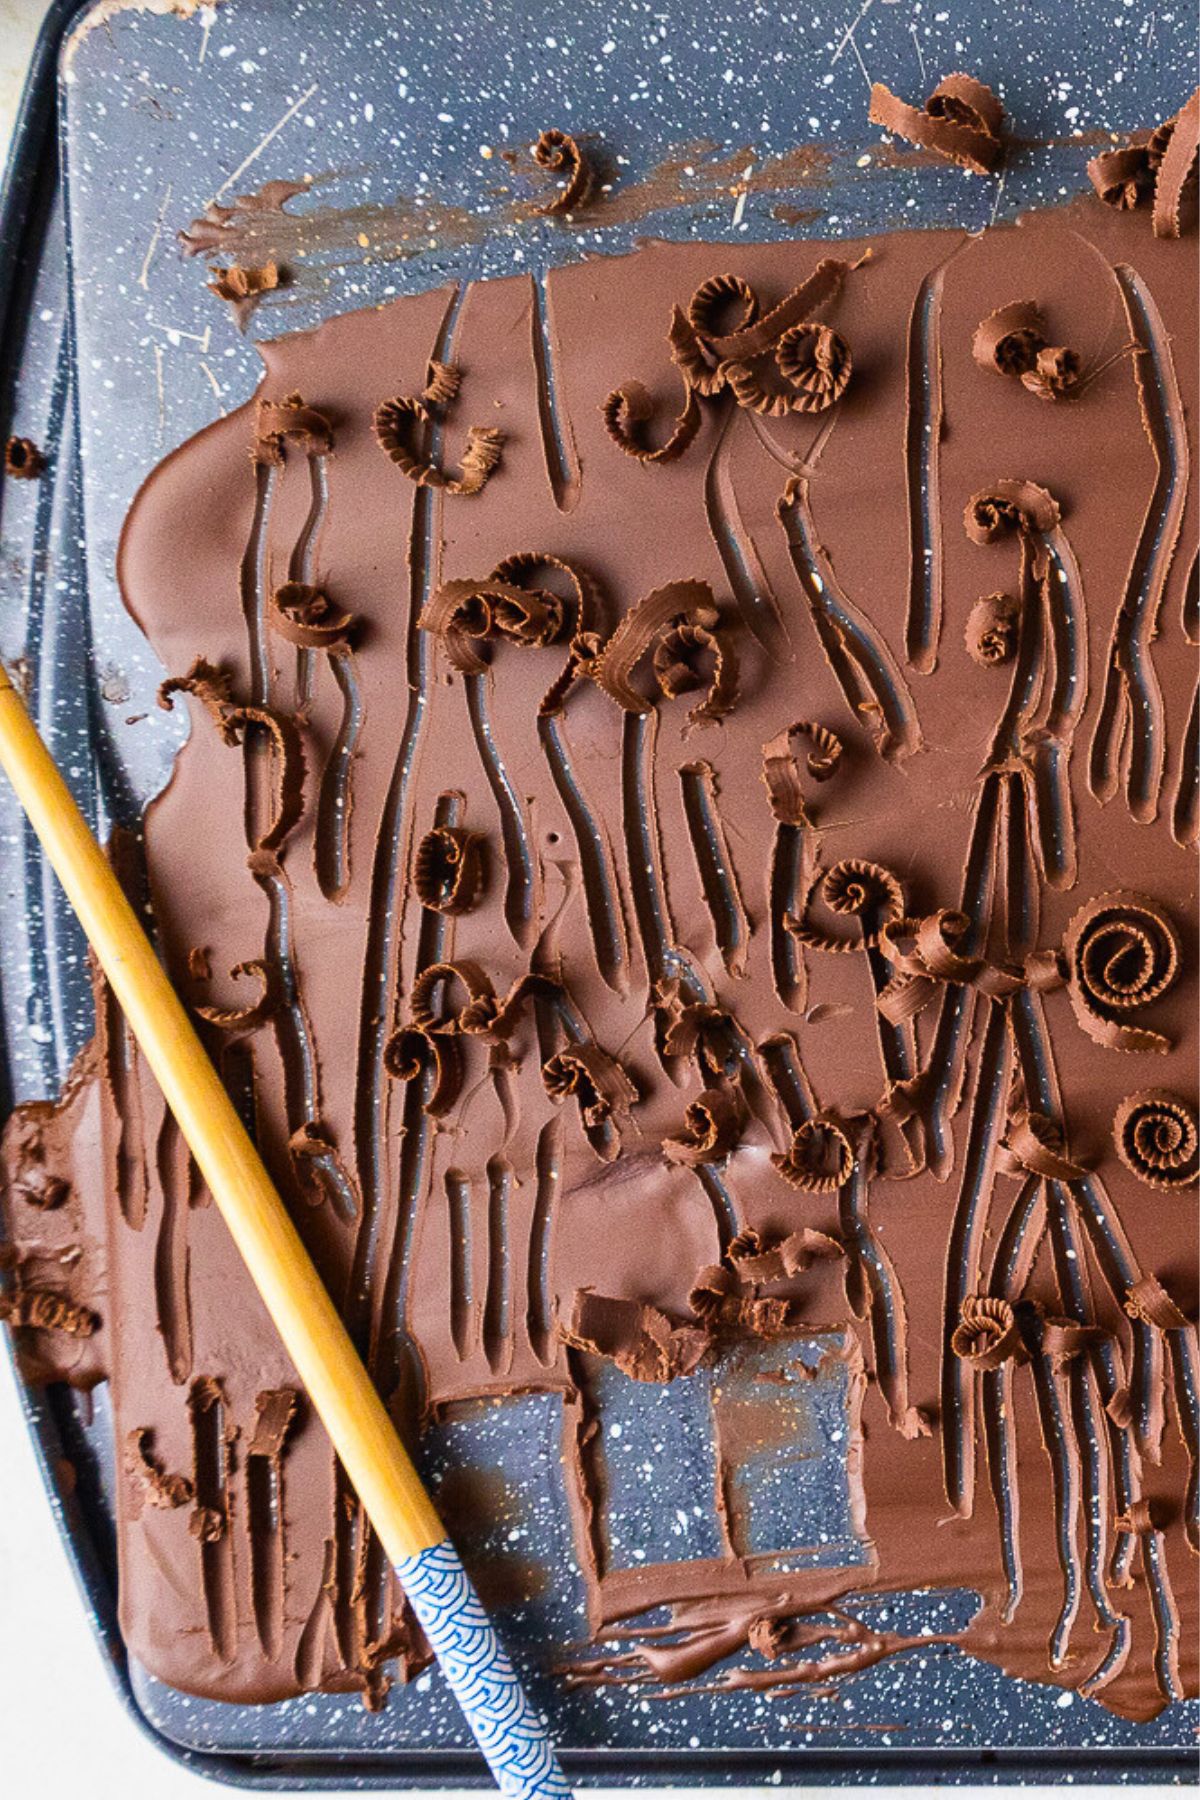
(36, 137)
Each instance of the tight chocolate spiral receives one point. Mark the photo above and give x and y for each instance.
(1122, 952)
(1157, 1139)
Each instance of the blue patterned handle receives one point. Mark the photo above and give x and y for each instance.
(474, 1662)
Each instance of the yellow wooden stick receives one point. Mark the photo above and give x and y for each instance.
(311, 1328)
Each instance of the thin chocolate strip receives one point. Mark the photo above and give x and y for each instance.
(1177, 168)
(962, 120)
(288, 783)
(1147, 1299)
(1157, 1139)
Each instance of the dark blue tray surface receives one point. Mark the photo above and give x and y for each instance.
(389, 109)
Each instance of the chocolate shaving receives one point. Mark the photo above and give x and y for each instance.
(275, 1414)
(37, 1309)
(1161, 166)
(207, 1524)
(1144, 1516)
(674, 665)
(1121, 952)
(243, 287)
(763, 335)
(599, 1084)
(1034, 1145)
(1176, 167)
(962, 120)
(1157, 1139)
(1055, 372)
(278, 421)
(394, 423)
(665, 609)
(153, 1483)
(442, 382)
(464, 613)
(992, 630)
(409, 1053)
(1065, 1339)
(1149, 1301)
(255, 1012)
(781, 769)
(1009, 339)
(820, 1158)
(434, 1005)
(1006, 506)
(206, 683)
(307, 617)
(712, 1127)
(759, 1261)
(987, 1334)
(448, 869)
(852, 888)
(697, 1028)
(23, 461)
(558, 151)
(925, 952)
(640, 1340)
(691, 334)
(1120, 1408)
(629, 409)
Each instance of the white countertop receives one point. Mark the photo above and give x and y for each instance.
(62, 1728)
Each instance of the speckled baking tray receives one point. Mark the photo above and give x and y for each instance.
(114, 354)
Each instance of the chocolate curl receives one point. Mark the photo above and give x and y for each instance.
(712, 1127)
(691, 334)
(1055, 372)
(153, 1483)
(211, 686)
(1149, 1301)
(852, 888)
(255, 1012)
(448, 870)
(236, 283)
(515, 572)
(640, 1340)
(628, 409)
(1120, 1408)
(442, 382)
(992, 630)
(1009, 339)
(1123, 178)
(1034, 1145)
(409, 1053)
(288, 764)
(815, 360)
(307, 617)
(394, 423)
(820, 1158)
(759, 1262)
(1179, 141)
(718, 1298)
(558, 152)
(435, 1005)
(675, 672)
(23, 461)
(1157, 1139)
(275, 1413)
(696, 1028)
(961, 120)
(37, 1309)
(601, 1087)
(314, 1155)
(1065, 1339)
(279, 421)
(1121, 952)
(611, 664)
(987, 1334)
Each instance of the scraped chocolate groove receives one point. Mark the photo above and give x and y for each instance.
(756, 903)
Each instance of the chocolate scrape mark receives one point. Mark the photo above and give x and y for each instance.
(714, 865)
(558, 439)
(744, 571)
(172, 1285)
(600, 882)
(520, 882)
(1185, 809)
(1129, 741)
(274, 1416)
(462, 1298)
(498, 1340)
(922, 462)
(209, 1524)
(539, 1318)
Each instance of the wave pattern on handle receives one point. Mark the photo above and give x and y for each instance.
(508, 1730)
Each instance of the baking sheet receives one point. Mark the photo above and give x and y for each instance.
(160, 115)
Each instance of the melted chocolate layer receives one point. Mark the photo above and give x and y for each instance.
(716, 828)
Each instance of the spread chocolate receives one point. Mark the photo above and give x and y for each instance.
(744, 894)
